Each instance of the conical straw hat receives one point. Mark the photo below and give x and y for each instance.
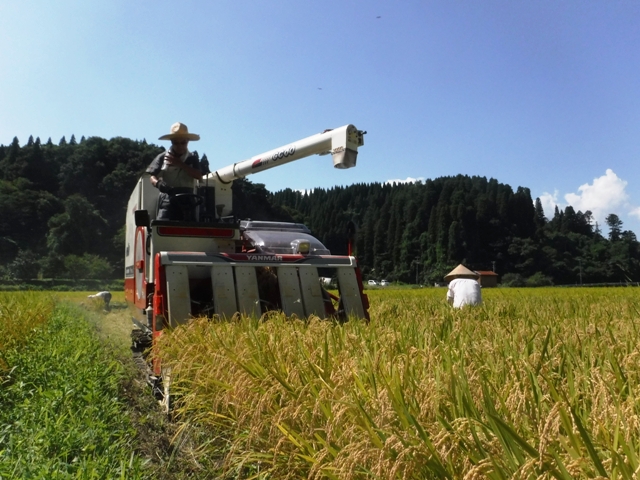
(460, 272)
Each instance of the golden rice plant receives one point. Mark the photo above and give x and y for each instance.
(535, 383)
(20, 314)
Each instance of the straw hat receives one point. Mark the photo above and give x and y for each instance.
(461, 272)
(180, 131)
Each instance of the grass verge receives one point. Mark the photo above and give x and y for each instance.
(73, 403)
(62, 412)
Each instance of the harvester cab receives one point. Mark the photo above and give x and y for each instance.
(218, 265)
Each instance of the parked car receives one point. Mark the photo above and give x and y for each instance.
(372, 282)
(384, 283)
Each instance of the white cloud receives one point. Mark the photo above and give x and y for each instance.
(604, 196)
(607, 194)
(549, 202)
(408, 180)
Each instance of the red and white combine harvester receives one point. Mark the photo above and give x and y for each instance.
(219, 265)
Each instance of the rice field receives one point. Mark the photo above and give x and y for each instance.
(20, 316)
(535, 383)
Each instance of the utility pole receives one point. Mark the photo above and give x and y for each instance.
(416, 262)
(580, 261)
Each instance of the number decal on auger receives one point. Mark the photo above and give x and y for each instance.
(284, 153)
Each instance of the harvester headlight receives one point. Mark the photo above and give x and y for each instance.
(301, 246)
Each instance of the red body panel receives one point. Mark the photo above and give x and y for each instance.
(180, 231)
(363, 296)
(129, 290)
(139, 271)
(159, 308)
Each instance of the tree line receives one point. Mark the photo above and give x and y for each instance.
(416, 233)
(62, 214)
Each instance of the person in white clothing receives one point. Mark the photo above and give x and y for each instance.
(106, 296)
(464, 288)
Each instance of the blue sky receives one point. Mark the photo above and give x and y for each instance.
(539, 94)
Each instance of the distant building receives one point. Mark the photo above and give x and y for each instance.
(488, 279)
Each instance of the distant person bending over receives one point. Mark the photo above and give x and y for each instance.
(464, 288)
(105, 296)
(174, 171)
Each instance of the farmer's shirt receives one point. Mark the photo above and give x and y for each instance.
(173, 175)
(464, 291)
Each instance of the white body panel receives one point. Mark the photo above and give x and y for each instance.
(311, 292)
(290, 291)
(179, 299)
(247, 291)
(144, 197)
(224, 292)
(350, 293)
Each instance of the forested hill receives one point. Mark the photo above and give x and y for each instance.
(62, 206)
(418, 232)
(62, 210)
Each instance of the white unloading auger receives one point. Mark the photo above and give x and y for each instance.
(342, 143)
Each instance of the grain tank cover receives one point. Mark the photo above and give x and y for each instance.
(273, 226)
(281, 238)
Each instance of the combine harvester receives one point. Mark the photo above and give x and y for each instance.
(219, 265)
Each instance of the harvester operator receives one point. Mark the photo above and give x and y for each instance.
(464, 288)
(173, 172)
